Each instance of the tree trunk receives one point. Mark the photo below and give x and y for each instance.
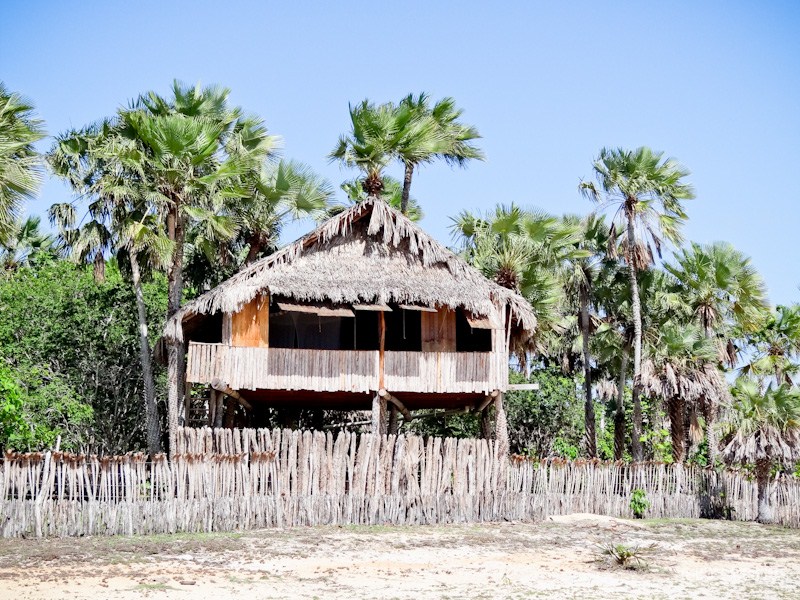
(588, 407)
(636, 309)
(176, 353)
(252, 252)
(150, 407)
(409, 172)
(709, 415)
(676, 406)
(711, 437)
(763, 468)
(99, 267)
(486, 426)
(619, 413)
(378, 414)
(501, 425)
(393, 420)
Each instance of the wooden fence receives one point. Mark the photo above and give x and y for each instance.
(225, 480)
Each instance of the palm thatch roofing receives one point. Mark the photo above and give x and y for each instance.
(370, 253)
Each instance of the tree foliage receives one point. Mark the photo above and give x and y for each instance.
(70, 347)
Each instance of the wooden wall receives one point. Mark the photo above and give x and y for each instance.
(250, 326)
(439, 331)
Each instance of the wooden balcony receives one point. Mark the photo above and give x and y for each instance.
(345, 370)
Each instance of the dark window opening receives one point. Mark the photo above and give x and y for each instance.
(403, 330)
(290, 329)
(206, 329)
(471, 339)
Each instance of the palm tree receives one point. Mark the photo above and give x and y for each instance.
(775, 347)
(431, 132)
(392, 195)
(20, 164)
(525, 251)
(724, 295)
(649, 194)
(288, 190)
(680, 369)
(370, 145)
(412, 132)
(25, 241)
(118, 219)
(581, 272)
(764, 428)
(192, 150)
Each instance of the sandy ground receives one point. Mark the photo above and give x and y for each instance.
(560, 558)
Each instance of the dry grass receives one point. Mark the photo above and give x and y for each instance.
(556, 558)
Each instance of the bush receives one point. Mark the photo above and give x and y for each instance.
(71, 347)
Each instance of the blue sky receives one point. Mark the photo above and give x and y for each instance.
(714, 84)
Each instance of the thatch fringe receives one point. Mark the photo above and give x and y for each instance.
(397, 262)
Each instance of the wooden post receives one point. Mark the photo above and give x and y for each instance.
(381, 348)
(212, 406)
(393, 421)
(187, 403)
(230, 412)
(378, 414)
(218, 413)
(486, 425)
(500, 425)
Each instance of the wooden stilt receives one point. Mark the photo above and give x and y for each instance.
(378, 414)
(500, 424)
(230, 412)
(187, 403)
(219, 413)
(486, 424)
(212, 406)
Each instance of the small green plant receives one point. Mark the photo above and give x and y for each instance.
(565, 449)
(627, 557)
(639, 503)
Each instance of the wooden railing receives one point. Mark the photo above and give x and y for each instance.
(283, 368)
(441, 372)
(345, 370)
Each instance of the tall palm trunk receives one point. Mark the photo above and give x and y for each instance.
(409, 172)
(763, 468)
(150, 408)
(636, 308)
(176, 358)
(709, 414)
(99, 267)
(619, 413)
(588, 408)
(676, 407)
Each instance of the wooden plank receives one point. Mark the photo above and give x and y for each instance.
(480, 322)
(250, 325)
(372, 307)
(315, 309)
(439, 331)
(522, 387)
(417, 308)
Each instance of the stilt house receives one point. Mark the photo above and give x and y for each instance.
(363, 311)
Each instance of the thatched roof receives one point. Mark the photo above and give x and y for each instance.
(368, 254)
